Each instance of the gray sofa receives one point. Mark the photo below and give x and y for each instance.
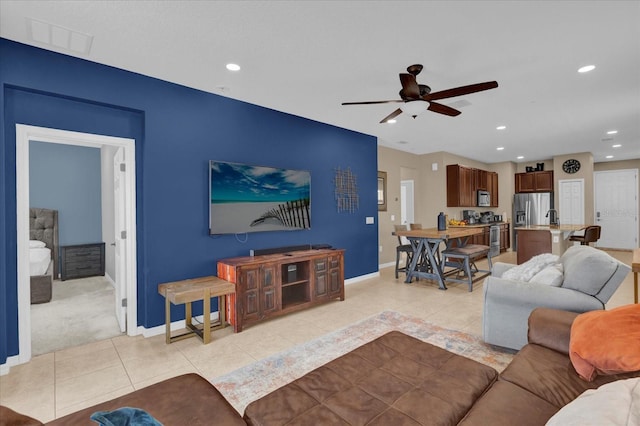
(590, 278)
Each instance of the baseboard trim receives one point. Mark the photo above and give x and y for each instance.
(361, 278)
(386, 265)
(11, 361)
(175, 325)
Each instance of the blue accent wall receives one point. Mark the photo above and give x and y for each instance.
(177, 130)
(67, 178)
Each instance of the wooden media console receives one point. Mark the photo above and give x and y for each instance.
(276, 284)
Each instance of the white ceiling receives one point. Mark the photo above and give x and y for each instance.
(306, 57)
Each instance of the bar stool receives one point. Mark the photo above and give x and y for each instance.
(591, 235)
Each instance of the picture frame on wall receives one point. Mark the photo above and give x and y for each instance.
(382, 191)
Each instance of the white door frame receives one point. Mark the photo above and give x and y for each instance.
(24, 134)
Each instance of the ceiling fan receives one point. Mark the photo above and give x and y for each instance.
(418, 97)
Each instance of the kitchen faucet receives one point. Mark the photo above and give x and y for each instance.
(554, 216)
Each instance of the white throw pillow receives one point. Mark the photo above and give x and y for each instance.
(616, 404)
(551, 275)
(528, 269)
(36, 244)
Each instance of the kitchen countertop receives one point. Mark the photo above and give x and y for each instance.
(478, 225)
(560, 228)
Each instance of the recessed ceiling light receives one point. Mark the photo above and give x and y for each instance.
(520, 157)
(612, 132)
(501, 127)
(500, 148)
(393, 120)
(609, 156)
(616, 146)
(233, 67)
(587, 68)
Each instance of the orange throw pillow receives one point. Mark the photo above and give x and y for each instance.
(606, 342)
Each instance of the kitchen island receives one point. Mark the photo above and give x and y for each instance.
(539, 239)
(484, 237)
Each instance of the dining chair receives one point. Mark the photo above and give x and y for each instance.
(402, 248)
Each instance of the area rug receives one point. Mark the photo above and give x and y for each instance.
(242, 386)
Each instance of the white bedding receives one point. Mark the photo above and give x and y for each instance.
(39, 259)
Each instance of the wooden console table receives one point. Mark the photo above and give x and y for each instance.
(187, 291)
(276, 284)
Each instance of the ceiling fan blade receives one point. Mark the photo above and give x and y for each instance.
(394, 114)
(443, 109)
(459, 91)
(410, 88)
(372, 102)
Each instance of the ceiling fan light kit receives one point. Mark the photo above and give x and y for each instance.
(418, 98)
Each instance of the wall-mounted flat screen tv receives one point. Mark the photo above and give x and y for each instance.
(246, 198)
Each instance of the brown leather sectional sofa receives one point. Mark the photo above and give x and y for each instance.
(394, 379)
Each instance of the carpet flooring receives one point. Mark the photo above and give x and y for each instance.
(251, 382)
(80, 311)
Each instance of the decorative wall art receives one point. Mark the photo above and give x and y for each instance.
(346, 192)
(382, 191)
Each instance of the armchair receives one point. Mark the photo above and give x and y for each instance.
(590, 278)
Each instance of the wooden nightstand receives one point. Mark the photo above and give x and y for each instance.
(82, 260)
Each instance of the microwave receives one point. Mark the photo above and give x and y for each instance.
(484, 199)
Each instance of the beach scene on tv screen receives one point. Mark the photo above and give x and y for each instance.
(247, 198)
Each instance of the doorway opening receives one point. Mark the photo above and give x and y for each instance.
(125, 280)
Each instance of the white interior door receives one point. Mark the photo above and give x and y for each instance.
(406, 202)
(571, 201)
(119, 204)
(406, 205)
(616, 208)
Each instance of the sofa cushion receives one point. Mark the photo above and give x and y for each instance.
(606, 342)
(528, 269)
(587, 269)
(550, 375)
(615, 404)
(187, 399)
(394, 379)
(507, 404)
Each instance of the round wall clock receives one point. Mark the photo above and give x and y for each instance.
(571, 166)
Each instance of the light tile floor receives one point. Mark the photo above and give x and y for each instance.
(55, 384)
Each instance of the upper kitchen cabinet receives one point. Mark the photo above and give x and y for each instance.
(464, 182)
(460, 186)
(481, 179)
(534, 182)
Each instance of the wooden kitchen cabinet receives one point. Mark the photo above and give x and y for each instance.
(492, 187)
(461, 190)
(276, 284)
(505, 237)
(464, 182)
(481, 179)
(532, 243)
(534, 182)
(483, 238)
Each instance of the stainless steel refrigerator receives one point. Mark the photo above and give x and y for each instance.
(530, 210)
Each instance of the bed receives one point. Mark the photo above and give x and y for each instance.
(43, 252)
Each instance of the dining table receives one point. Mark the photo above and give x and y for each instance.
(426, 261)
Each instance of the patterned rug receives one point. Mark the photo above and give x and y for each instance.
(249, 383)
